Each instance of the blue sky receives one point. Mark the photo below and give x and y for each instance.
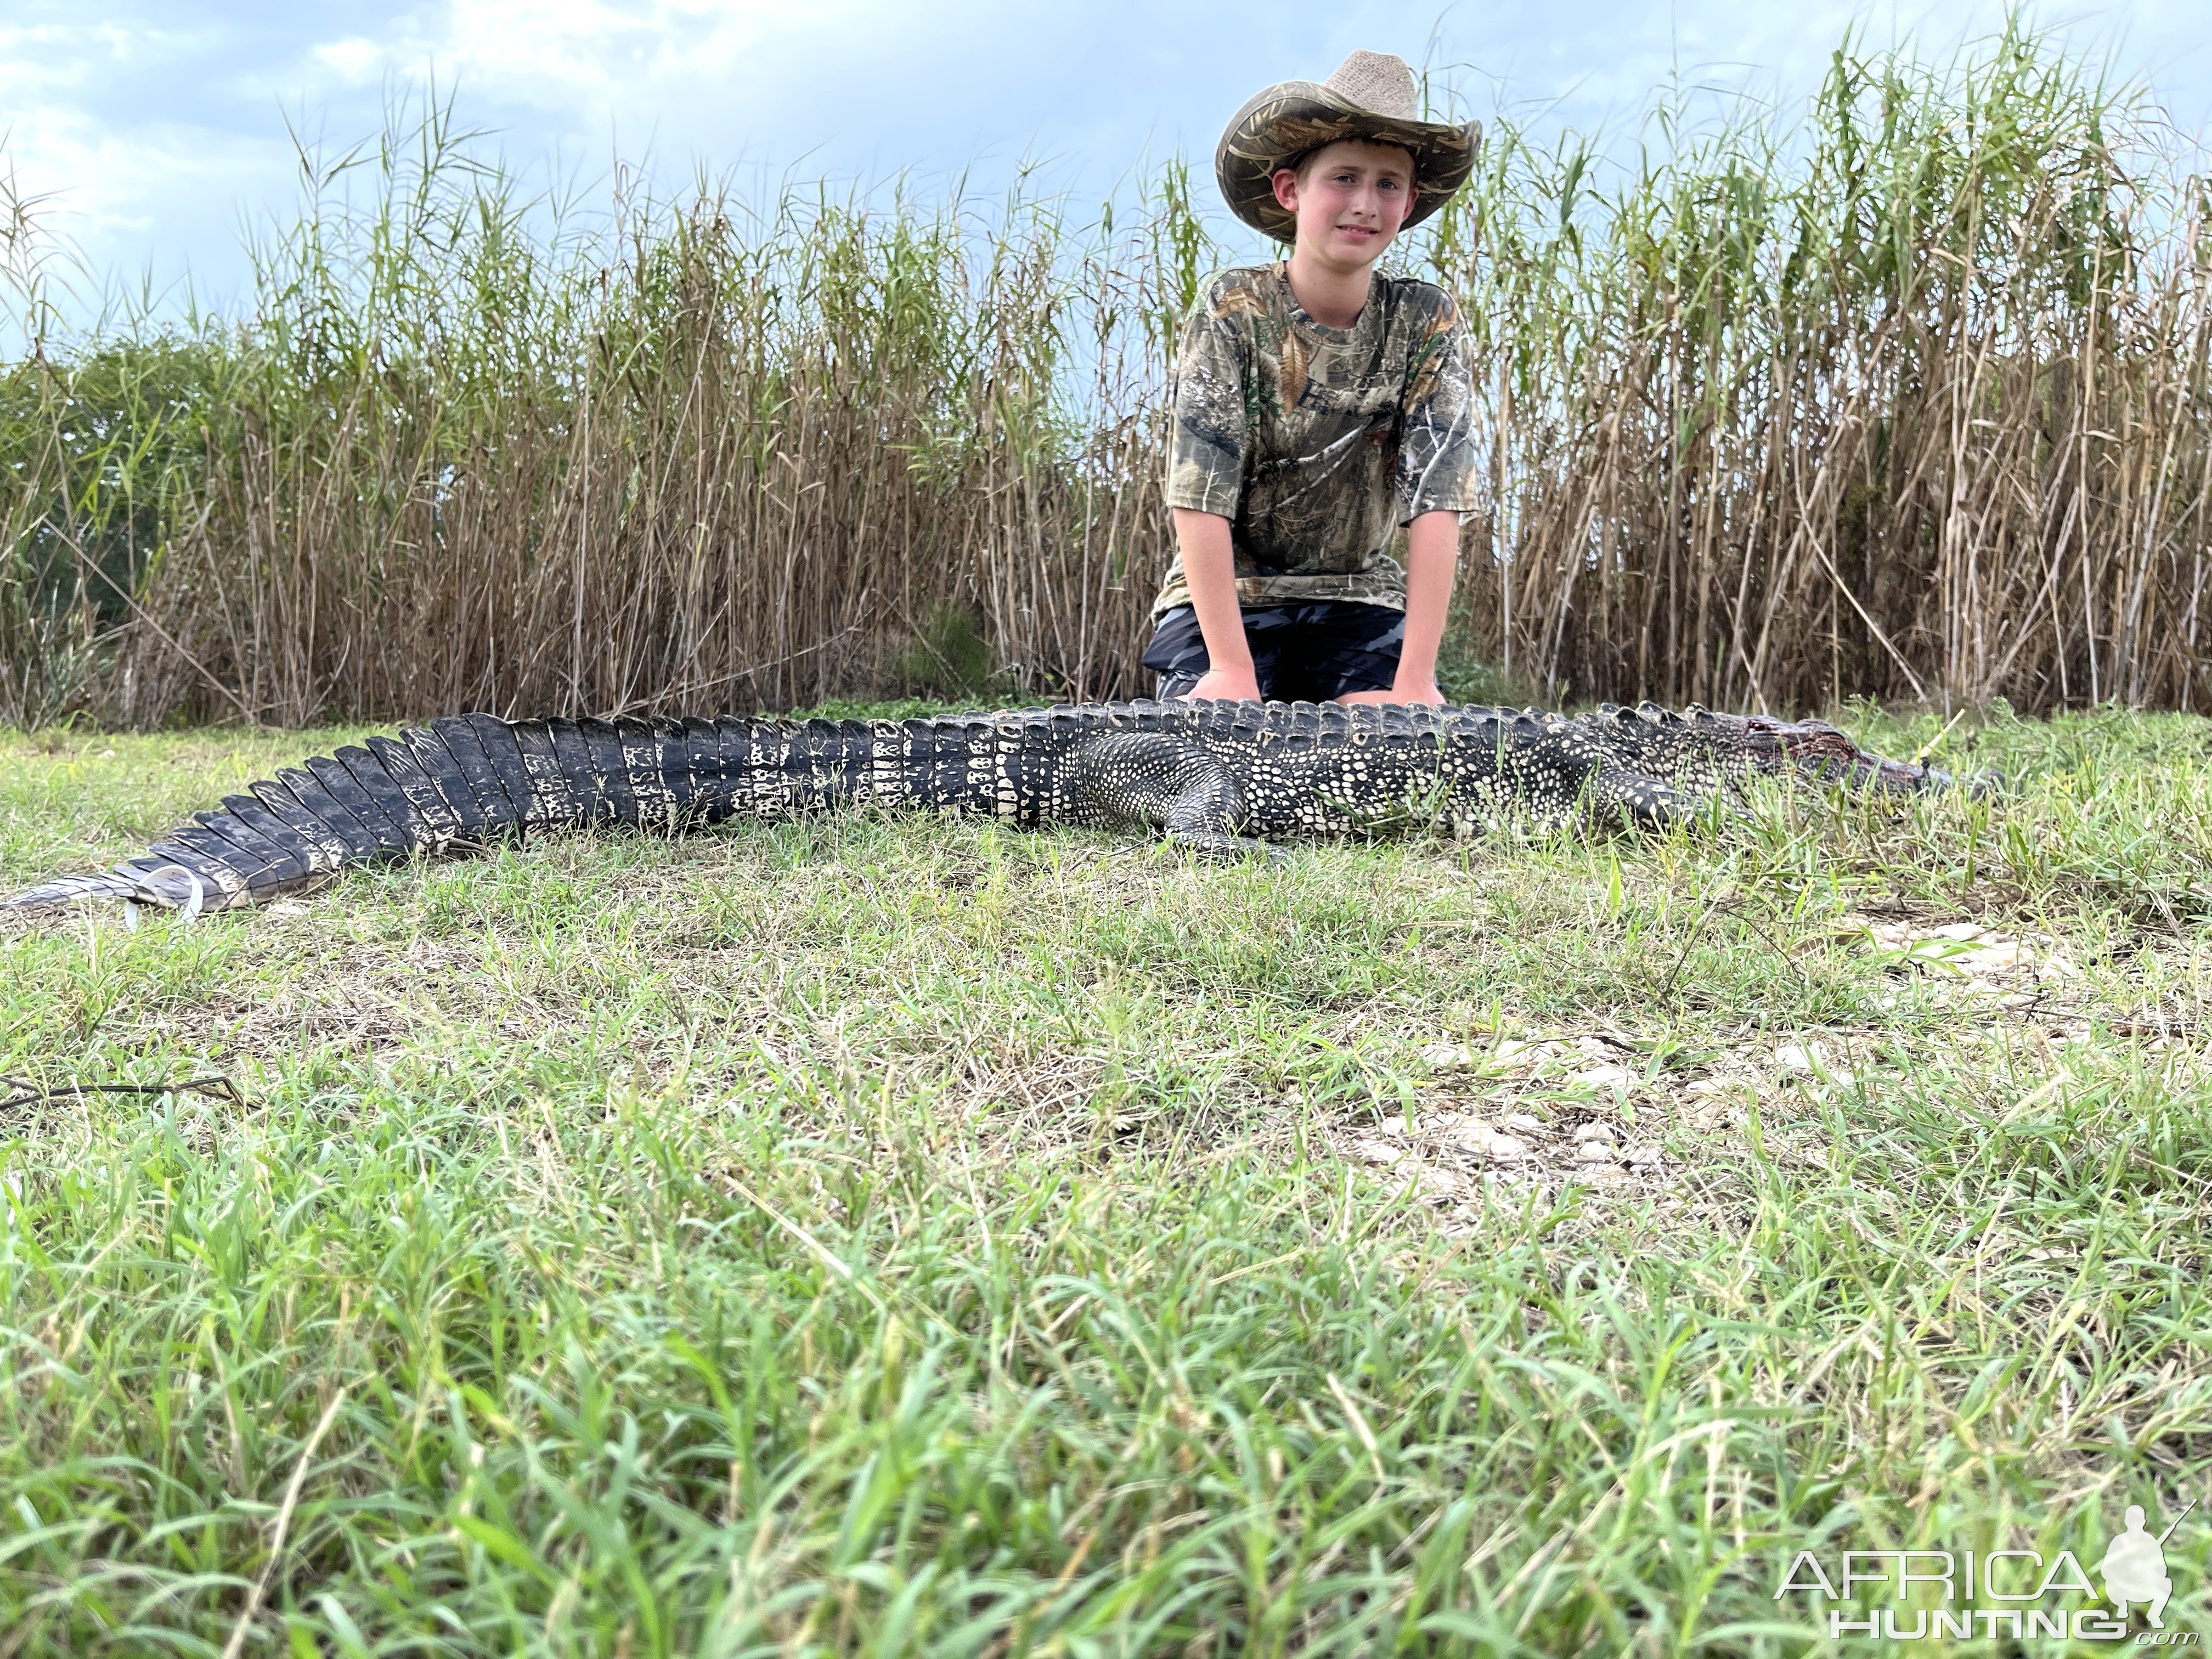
(157, 132)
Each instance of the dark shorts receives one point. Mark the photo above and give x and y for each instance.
(1300, 653)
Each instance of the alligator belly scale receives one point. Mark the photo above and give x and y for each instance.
(1219, 777)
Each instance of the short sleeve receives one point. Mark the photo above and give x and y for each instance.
(1208, 441)
(1436, 448)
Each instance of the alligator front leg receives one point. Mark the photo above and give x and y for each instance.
(1616, 796)
(1148, 778)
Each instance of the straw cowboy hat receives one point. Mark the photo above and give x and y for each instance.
(1371, 96)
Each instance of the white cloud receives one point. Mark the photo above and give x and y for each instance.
(592, 59)
(50, 60)
(354, 58)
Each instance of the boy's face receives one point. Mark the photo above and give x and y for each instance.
(1350, 201)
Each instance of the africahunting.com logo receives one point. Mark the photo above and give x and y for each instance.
(2017, 1593)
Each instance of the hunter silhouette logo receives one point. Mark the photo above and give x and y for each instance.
(1936, 1594)
(2134, 1567)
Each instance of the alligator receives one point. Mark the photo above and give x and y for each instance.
(1224, 779)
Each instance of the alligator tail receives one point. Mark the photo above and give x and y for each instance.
(469, 781)
(171, 886)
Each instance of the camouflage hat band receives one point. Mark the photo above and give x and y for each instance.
(1371, 96)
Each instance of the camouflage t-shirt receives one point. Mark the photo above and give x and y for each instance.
(1317, 443)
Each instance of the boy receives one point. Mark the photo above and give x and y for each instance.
(1318, 408)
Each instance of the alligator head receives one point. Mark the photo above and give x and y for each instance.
(1821, 750)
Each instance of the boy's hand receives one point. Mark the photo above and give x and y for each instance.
(1225, 686)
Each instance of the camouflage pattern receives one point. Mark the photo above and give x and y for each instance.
(1318, 443)
(1282, 124)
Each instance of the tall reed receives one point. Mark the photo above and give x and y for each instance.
(709, 454)
(1909, 402)
(1906, 399)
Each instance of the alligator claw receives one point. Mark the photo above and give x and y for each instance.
(1225, 849)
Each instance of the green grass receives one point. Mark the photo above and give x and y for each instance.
(898, 1237)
